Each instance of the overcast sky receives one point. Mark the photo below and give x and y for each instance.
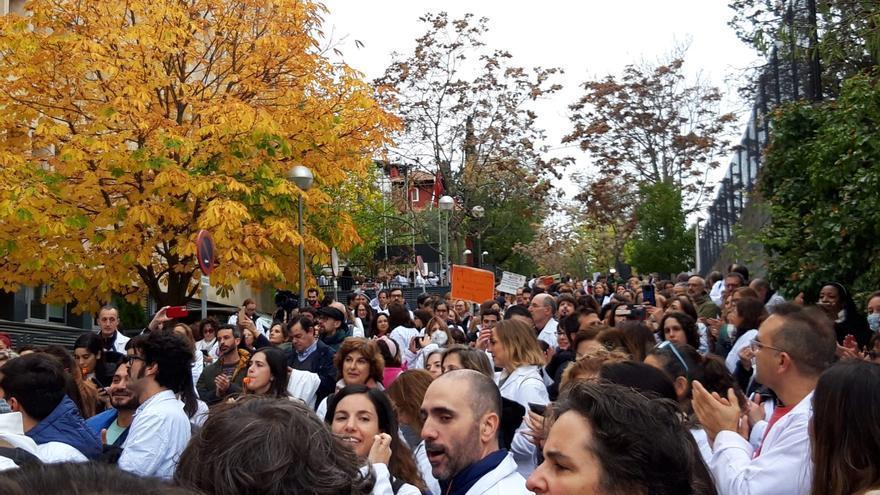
(587, 38)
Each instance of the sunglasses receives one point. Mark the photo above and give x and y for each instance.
(669, 345)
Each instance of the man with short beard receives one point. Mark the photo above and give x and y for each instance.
(462, 411)
(226, 375)
(117, 420)
(158, 368)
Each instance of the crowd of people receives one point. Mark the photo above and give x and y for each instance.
(605, 386)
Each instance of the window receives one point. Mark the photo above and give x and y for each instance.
(414, 195)
(40, 312)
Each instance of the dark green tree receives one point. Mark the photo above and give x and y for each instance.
(821, 179)
(661, 242)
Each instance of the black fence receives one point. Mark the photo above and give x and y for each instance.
(40, 335)
(410, 294)
(792, 73)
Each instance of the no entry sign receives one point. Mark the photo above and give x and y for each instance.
(205, 251)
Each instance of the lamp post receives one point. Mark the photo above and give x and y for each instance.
(478, 212)
(303, 178)
(697, 246)
(482, 256)
(466, 253)
(446, 203)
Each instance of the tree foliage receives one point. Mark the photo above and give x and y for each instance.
(125, 127)
(820, 179)
(845, 33)
(661, 242)
(650, 125)
(466, 110)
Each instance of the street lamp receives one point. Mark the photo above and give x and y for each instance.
(697, 247)
(478, 212)
(446, 203)
(483, 255)
(303, 178)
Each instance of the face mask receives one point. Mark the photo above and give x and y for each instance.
(439, 337)
(874, 321)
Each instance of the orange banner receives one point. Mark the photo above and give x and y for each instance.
(472, 284)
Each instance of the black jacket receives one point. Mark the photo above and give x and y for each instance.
(320, 363)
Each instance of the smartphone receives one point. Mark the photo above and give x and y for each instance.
(539, 409)
(648, 296)
(204, 352)
(177, 312)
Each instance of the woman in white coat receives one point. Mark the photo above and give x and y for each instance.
(515, 349)
(364, 419)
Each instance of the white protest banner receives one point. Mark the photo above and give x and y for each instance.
(510, 282)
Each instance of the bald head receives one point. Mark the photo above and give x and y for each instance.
(475, 389)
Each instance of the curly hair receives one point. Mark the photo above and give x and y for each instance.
(368, 349)
(688, 326)
(287, 449)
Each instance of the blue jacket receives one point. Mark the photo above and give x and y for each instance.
(469, 476)
(103, 421)
(65, 425)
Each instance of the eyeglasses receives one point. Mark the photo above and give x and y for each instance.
(755, 345)
(127, 359)
(669, 345)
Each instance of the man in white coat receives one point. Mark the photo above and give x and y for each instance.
(543, 307)
(462, 411)
(792, 348)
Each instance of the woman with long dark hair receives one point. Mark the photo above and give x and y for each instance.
(363, 320)
(845, 435)
(267, 374)
(380, 326)
(361, 417)
(679, 328)
(683, 364)
(90, 360)
(402, 330)
(839, 304)
(746, 316)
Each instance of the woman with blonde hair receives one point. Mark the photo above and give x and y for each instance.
(515, 349)
(407, 393)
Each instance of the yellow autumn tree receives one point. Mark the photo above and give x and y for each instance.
(126, 127)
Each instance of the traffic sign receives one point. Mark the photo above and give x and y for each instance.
(205, 250)
(334, 262)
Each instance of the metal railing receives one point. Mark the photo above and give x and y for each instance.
(792, 73)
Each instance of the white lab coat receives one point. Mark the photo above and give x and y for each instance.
(304, 386)
(784, 466)
(548, 333)
(383, 482)
(402, 336)
(12, 432)
(119, 343)
(733, 356)
(523, 386)
(503, 480)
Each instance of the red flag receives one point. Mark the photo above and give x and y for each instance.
(438, 188)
